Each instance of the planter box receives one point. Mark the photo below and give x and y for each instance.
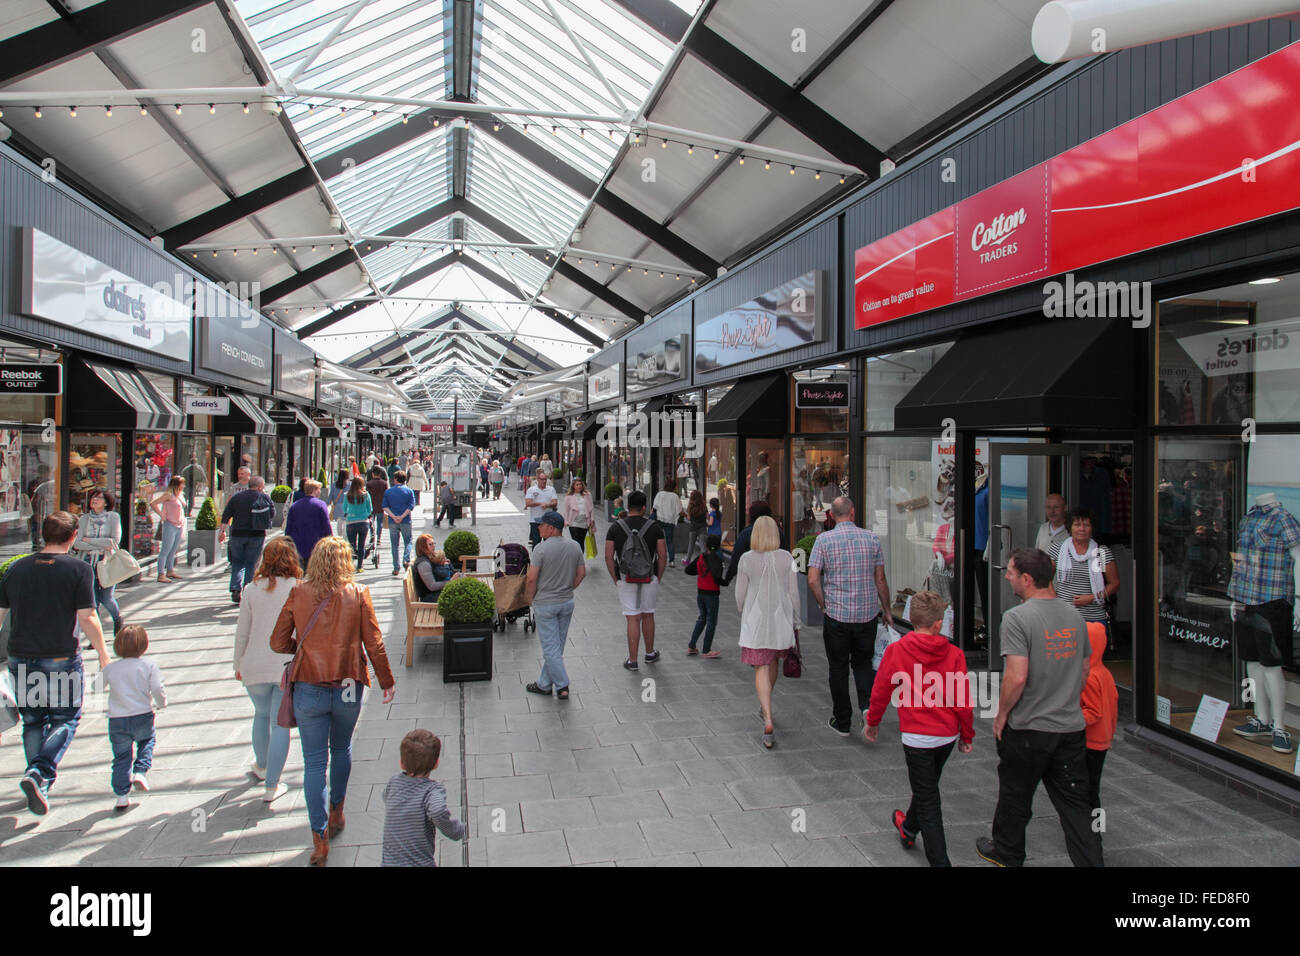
(812, 612)
(280, 508)
(466, 652)
(609, 509)
(201, 548)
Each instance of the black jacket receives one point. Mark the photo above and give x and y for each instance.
(240, 509)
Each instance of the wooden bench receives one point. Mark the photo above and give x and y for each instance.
(465, 559)
(422, 619)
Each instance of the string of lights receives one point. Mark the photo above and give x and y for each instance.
(611, 133)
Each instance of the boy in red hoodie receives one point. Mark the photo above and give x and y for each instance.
(1100, 701)
(926, 677)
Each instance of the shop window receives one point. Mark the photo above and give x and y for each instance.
(28, 484)
(1230, 355)
(194, 465)
(890, 377)
(910, 507)
(154, 462)
(819, 473)
(1225, 528)
(720, 483)
(94, 462)
(822, 384)
(765, 477)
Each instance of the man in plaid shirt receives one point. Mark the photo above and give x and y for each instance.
(846, 577)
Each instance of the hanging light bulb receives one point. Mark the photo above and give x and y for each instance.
(841, 180)
(235, 253)
(245, 105)
(178, 109)
(664, 144)
(293, 248)
(646, 271)
(342, 110)
(194, 255)
(818, 175)
(690, 150)
(254, 250)
(791, 170)
(716, 154)
(313, 248)
(742, 160)
(38, 112)
(212, 109)
(72, 111)
(768, 164)
(404, 119)
(143, 111)
(108, 112)
(214, 253)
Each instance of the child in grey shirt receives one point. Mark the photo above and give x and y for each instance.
(416, 806)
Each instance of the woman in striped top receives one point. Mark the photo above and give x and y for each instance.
(1086, 573)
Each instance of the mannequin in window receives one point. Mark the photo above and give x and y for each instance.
(980, 551)
(1265, 578)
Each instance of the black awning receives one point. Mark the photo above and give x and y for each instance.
(1051, 372)
(246, 418)
(754, 407)
(655, 404)
(110, 397)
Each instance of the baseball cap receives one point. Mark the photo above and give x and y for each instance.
(554, 519)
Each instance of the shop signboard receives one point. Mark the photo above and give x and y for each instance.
(821, 395)
(206, 405)
(30, 378)
(441, 428)
(295, 368)
(283, 416)
(1217, 157)
(787, 317)
(658, 365)
(64, 285)
(604, 384)
(324, 421)
(237, 346)
(557, 428)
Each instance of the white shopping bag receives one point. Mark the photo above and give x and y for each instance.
(885, 635)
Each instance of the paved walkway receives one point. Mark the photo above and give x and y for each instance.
(625, 772)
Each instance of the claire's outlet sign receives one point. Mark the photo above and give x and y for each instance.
(207, 405)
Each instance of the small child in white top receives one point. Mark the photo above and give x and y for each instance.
(132, 680)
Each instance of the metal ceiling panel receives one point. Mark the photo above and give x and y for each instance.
(765, 30)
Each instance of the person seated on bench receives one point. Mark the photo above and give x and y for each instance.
(431, 570)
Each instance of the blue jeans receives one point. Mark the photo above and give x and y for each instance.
(553, 632)
(326, 719)
(47, 731)
(357, 531)
(244, 554)
(123, 734)
(402, 530)
(270, 740)
(667, 530)
(104, 597)
(707, 602)
(171, 543)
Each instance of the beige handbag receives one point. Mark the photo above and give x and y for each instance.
(116, 568)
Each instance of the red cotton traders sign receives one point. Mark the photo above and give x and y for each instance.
(1222, 155)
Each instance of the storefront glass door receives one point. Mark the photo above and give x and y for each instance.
(1021, 476)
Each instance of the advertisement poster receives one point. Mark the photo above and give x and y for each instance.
(456, 472)
(942, 503)
(11, 456)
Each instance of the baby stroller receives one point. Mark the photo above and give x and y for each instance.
(509, 587)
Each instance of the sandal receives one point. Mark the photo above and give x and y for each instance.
(534, 688)
(712, 655)
(769, 738)
(562, 693)
(692, 651)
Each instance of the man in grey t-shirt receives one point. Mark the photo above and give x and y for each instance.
(558, 566)
(1040, 725)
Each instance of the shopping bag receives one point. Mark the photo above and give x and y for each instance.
(590, 544)
(117, 567)
(885, 635)
(792, 666)
(9, 715)
(509, 592)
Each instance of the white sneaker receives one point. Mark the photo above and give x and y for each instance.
(140, 782)
(259, 772)
(274, 793)
(122, 803)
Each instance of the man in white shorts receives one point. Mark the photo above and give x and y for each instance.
(637, 598)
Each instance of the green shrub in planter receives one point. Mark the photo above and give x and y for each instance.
(805, 544)
(280, 494)
(557, 474)
(613, 490)
(320, 476)
(722, 483)
(466, 601)
(207, 519)
(459, 543)
(4, 568)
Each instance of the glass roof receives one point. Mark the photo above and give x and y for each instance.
(566, 56)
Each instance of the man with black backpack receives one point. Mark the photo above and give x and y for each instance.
(636, 557)
(248, 515)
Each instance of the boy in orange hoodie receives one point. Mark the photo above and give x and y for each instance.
(925, 674)
(1100, 702)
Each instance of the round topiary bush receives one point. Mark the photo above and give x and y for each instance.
(320, 476)
(613, 490)
(466, 601)
(4, 568)
(280, 494)
(459, 543)
(805, 544)
(557, 474)
(722, 483)
(207, 518)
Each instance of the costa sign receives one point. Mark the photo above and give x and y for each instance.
(1220, 156)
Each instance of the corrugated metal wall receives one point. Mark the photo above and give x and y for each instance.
(1103, 95)
(817, 248)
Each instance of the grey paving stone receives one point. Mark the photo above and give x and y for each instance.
(547, 848)
(607, 758)
(671, 729)
(490, 765)
(712, 770)
(682, 836)
(675, 859)
(768, 792)
(502, 743)
(833, 851)
(573, 738)
(500, 790)
(609, 734)
(546, 761)
(664, 776)
(698, 800)
(666, 751)
(558, 814)
(741, 856)
(621, 842)
(629, 807)
(590, 783)
(750, 827)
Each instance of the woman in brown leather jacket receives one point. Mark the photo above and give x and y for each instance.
(325, 623)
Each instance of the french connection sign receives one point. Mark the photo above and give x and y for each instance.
(232, 347)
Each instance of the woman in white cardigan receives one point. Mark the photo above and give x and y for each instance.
(767, 594)
(416, 479)
(261, 668)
